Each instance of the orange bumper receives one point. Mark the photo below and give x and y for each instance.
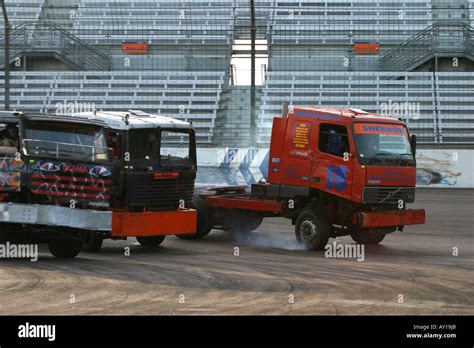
(147, 224)
(391, 218)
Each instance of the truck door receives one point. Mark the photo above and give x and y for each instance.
(332, 165)
(297, 154)
(10, 159)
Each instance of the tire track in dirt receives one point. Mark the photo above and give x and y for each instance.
(417, 263)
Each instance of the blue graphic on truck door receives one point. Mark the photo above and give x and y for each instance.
(337, 177)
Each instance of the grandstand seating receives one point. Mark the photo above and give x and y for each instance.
(321, 34)
(156, 21)
(189, 96)
(471, 12)
(195, 35)
(446, 102)
(184, 74)
(21, 11)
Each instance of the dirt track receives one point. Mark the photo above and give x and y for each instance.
(270, 271)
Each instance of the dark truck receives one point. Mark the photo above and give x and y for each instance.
(76, 180)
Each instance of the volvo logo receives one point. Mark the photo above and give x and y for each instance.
(391, 194)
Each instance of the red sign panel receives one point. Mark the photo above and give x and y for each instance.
(134, 47)
(366, 48)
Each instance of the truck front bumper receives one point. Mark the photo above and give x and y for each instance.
(391, 218)
(147, 224)
(119, 223)
(52, 215)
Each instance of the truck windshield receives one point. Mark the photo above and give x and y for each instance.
(66, 142)
(175, 148)
(153, 147)
(383, 144)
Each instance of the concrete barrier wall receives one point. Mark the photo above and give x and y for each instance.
(224, 166)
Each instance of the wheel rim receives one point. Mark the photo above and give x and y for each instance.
(308, 231)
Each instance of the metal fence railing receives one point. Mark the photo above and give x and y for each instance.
(440, 39)
(43, 37)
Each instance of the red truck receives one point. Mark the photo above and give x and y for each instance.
(333, 172)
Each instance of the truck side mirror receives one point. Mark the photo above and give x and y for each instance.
(285, 110)
(413, 143)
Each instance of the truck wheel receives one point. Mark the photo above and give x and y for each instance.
(242, 222)
(312, 230)
(92, 241)
(368, 237)
(204, 221)
(65, 248)
(253, 222)
(150, 242)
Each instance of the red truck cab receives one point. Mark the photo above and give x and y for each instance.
(348, 153)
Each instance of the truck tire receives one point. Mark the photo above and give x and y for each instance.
(150, 242)
(254, 221)
(65, 248)
(244, 222)
(204, 221)
(92, 241)
(367, 237)
(312, 230)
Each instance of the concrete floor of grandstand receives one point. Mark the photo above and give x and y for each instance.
(413, 272)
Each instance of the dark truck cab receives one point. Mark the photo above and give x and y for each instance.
(78, 179)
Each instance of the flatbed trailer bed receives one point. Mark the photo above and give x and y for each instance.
(236, 209)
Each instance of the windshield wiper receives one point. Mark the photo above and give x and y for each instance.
(400, 156)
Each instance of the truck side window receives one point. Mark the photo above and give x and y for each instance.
(114, 142)
(9, 139)
(333, 139)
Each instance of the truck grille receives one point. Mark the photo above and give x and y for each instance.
(162, 194)
(85, 183)
(388, 195)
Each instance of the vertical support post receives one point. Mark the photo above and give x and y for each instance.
(7, 55)
(437, 116)
(253, 91)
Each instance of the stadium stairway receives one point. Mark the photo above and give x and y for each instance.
(438, 40)
(233, 117)
(45, 39)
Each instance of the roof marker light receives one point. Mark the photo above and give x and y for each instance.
(359, 111)
(125, 118)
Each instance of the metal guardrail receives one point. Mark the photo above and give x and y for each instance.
(42, 37)
(437, 40)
